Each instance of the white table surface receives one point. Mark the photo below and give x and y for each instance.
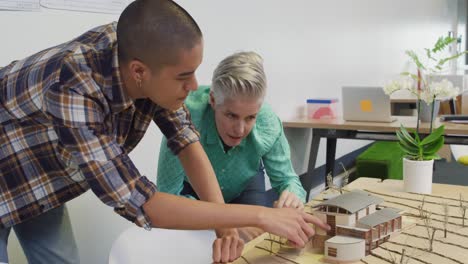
(139, 246)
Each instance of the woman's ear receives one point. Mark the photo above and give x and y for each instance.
(212, 100)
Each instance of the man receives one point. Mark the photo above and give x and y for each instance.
(71, 114)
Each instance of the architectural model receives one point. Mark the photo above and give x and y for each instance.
(382, 225)
(357, 226)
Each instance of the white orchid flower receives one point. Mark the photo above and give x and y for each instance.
(439, 90)
(400, 84)
(391, 87)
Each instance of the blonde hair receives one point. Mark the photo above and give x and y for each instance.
(240, 74)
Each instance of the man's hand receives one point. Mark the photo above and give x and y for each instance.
(290, 223)
(249, 233)
(289, 200)
(228, 246)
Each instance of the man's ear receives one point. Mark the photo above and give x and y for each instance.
(139, 71)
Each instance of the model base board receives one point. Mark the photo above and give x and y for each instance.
(441, 215)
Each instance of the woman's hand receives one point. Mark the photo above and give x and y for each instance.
(289, 200)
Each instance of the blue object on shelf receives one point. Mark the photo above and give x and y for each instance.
(321, 101)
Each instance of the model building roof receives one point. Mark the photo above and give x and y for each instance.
(344, 240)
(352, 201)
(379, 217)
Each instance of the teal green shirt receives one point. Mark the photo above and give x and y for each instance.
(235, 168)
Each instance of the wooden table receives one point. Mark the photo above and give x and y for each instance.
(332, 129)
(413, 237)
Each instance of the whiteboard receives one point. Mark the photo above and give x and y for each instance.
(21, 5)
(95, 6)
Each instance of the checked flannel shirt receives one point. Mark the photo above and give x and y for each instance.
(66, 126)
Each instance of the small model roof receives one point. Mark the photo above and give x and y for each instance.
(352, 201)
(379, 217)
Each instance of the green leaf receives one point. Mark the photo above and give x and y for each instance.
(436, 134)
(407, 151)
(432, 157)
(433, 143)
(407, 145)
(428, 54)
(412, 157)
(413, 76)
(409, 148)
(433, 147)
(456, 56)
(416, 137)
(442, 43)
(407, 136)
(415, 59)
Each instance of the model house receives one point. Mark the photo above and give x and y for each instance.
(357, 225)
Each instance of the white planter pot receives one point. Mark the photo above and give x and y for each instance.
(417, 175)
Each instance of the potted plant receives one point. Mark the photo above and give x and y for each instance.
(421, 151)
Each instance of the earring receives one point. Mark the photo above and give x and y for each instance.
(138, 83)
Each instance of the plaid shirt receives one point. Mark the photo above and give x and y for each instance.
(66, 125)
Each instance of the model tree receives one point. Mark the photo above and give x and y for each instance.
(445, 206)
(340, 188)
(426, 217)
(421, 208)
(463, 208)
(330, 184)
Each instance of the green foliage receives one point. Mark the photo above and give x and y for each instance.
(413, 146)
(417, 149)
(441, 44)
(415, 59)
(444, 60)
(414, 76)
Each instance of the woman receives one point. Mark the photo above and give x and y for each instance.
(241, 135)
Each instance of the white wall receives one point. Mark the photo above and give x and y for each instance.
(311, 48)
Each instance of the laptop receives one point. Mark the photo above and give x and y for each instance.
(369, 104)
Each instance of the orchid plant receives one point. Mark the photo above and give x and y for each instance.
(415, 147)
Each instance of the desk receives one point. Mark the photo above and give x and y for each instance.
(413, 238)
(332, 129)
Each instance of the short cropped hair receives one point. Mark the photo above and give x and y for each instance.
(155, 31)
(239, 75)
